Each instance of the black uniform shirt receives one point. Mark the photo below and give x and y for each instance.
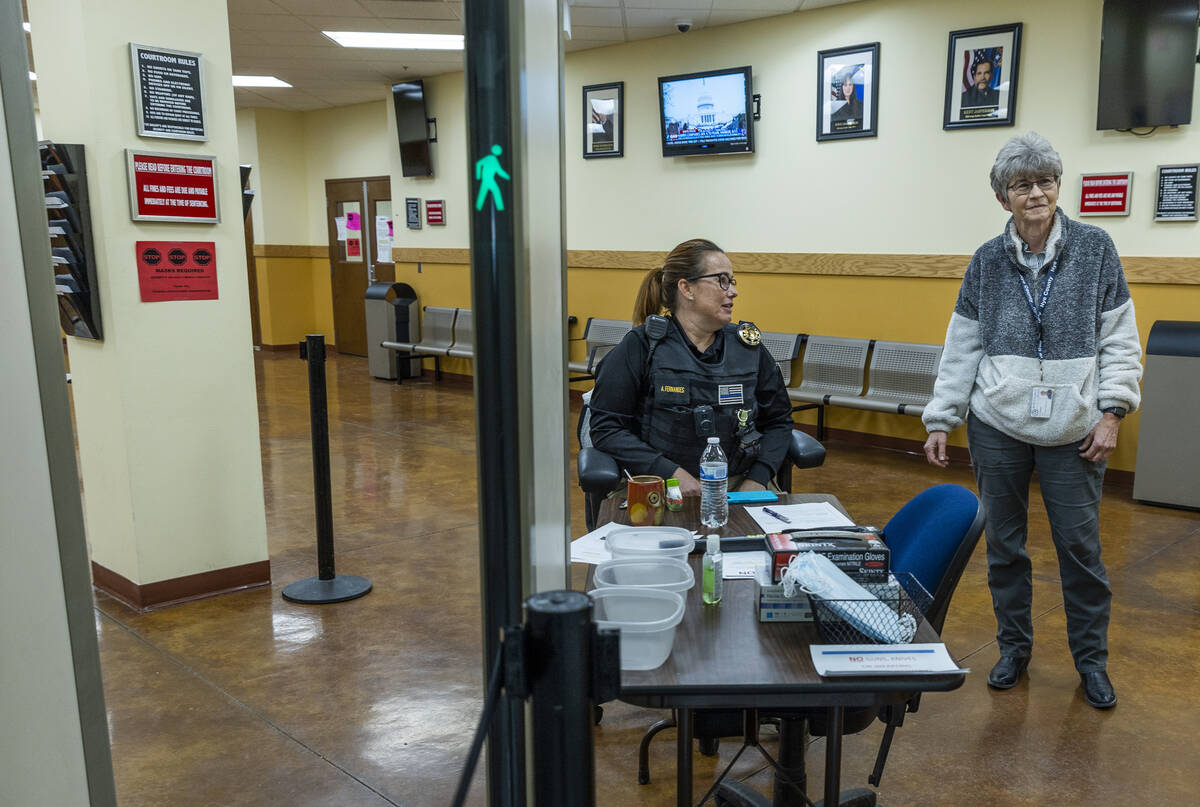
(620, 397)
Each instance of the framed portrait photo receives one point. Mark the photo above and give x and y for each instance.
(848, 92)
(604, 120)
(981, 77)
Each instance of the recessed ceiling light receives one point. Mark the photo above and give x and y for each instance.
(28, 28)
(259, 81)
(32, 76)
(370, 39)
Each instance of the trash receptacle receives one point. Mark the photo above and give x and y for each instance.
(1168, 456)
(391, 311)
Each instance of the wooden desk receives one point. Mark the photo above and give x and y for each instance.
(724, 658)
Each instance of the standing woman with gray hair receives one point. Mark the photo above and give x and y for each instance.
(1042, 361)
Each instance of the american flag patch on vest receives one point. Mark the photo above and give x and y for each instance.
(729, 394)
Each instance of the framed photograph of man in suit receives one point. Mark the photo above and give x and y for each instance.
(604, 120)
(848, 92)
(981, 77)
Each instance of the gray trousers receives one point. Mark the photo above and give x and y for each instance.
(1071, 488)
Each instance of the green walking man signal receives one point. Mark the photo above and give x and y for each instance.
(486, 171)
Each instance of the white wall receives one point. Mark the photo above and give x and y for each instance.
(166, 410)
(914, 188)
(247, 136)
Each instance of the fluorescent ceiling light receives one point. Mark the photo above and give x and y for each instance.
(370, 39)
(32, 76)
(259, 81)
(28, 28)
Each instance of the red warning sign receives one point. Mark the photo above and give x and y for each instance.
(1105, 194)
(177, 270)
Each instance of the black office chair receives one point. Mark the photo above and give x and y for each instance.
(599, 473)
(932, 537)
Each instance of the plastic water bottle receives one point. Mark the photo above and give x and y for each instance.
(714, 481)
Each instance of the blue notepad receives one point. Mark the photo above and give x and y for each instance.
(752, 496)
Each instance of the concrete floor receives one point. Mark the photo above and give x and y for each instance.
(246, 699)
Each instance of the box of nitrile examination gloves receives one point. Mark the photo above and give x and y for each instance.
(863, 556)
(775, 606)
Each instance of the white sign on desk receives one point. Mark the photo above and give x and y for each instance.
(882, 659)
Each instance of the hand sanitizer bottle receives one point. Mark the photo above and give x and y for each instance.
(714, 569)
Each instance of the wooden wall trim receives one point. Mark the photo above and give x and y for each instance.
(1181, 271)
(180, 589)
(290, 251)
(431, 255)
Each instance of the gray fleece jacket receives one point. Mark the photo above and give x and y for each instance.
(1091, 346)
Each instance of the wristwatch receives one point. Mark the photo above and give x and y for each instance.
(1119, 411)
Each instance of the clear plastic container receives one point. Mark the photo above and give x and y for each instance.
(647, 618)
(641, 542)
(668, 574)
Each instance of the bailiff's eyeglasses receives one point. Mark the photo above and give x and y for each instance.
(724, 279)
(1025, 187)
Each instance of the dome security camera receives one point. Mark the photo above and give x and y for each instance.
(683, 26)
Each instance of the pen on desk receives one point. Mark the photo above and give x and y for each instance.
(779, 516)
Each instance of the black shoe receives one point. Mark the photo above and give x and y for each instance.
(1098, 690)
(1007, 672)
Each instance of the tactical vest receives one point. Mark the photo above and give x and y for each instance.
(679, 384)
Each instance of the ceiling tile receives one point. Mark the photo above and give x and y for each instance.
(597, 3)
(646, 17)
(697, 7)
(237, 37)
(810, 4)
(340, 8)
(597, 33)
(296, 39)
(410, 9)
(255, 7)
(396, 26)
(595, 16)
(772, 6)
(267, 22)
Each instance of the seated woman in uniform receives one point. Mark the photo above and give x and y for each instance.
(677, 379)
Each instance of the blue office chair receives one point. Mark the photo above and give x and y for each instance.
(932, 537)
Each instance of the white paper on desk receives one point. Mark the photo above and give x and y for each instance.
(882, 659)
(592, 548)
(748, 566)
(809, 516)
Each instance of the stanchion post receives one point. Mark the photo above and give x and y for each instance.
(327, 586)
(318, 416)
(558, 650)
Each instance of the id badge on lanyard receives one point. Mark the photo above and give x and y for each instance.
(1041, 398)
(1041, 401)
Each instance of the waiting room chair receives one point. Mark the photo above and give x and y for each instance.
(932, 537)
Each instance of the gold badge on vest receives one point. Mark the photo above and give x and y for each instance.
(749, 333)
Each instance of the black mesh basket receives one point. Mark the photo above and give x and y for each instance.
(883, 620)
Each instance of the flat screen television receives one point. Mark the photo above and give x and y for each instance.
(706, 113)
(1147, 63)
(412, 128)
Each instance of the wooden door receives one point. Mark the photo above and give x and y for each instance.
(350, 213)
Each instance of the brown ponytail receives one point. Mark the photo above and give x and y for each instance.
(660, 285)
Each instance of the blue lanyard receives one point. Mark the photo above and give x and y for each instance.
(1040, 307)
